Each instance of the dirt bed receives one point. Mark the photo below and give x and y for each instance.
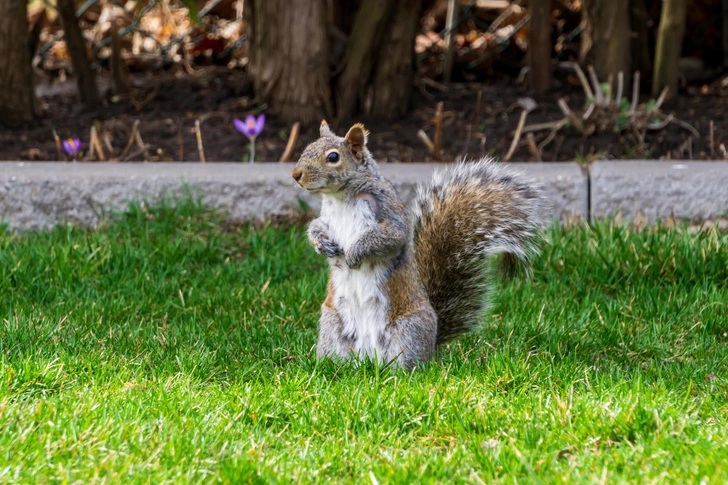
(167, 106)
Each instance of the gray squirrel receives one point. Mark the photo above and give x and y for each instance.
(403, 281)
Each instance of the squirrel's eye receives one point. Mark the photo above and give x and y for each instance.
(332, 157)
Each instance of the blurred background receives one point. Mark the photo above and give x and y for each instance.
(548, 80)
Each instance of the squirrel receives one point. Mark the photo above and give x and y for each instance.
(404, 281)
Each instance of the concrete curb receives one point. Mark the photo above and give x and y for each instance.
(41, 195)
(656, 189)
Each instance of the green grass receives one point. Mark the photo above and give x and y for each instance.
(169, 347)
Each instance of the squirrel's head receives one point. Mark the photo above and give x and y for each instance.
(332, 163)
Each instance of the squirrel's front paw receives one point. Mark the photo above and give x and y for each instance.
(353, 261)
(327, 247)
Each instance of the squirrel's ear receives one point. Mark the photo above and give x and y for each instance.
(325, 130)
(356, 138)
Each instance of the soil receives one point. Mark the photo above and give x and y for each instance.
(168, 104)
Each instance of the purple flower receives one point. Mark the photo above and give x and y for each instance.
(251, 127)
(72, 146)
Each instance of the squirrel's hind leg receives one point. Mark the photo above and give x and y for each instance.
(331, 342)
(412, 338)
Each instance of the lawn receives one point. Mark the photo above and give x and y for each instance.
(170, 347)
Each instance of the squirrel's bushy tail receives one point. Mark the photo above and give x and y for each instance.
(465, 214)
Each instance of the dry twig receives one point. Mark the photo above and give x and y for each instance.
(291, 143)
(533, 148)
(635, 92)
(582, 79)
(620, 88)
(437, 142)
(426, 140)
(132, 139)
(661, 124)
(134, 154)
(552, 135)
(95, 145)
(517, 136)
(687, 126)
(543, 126)
(200, 149)
(57, 139)
(575, 121)
(661, 98)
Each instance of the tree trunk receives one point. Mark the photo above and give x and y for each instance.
(17, 92)
(724, 14)
(289, 58)
(539, 45)
(394, 72)
(608, 35)
(641, 59)
(88, 92)
(669, 44)
(364, 41)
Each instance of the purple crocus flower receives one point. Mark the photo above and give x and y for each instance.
(251, 127)
(72, 146)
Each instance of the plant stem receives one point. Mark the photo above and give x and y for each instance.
(252, 150)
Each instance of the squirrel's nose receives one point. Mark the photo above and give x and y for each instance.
(297, 173)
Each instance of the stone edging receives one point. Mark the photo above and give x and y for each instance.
(40, 195)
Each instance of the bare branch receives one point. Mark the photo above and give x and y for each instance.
(551, 136)
(57, 139)
(96, 144)
(517, 136)
(582, 78)
(635, 91)
(200, 148)
(132, 138)
(426, 140)
(291, 142)
(660, 125)
(571, 116)
(620, 87)
(589, 111)
(533, 148)
(438, 131)
(687, 126)
(661, 98)
(543, 126)
(134, 154)
(597, 88)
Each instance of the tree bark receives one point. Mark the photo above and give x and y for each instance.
(18, 105)
(669, 44)
(725, 33)
(395, 69)
(608, 35)
(88, 91)
(641, 59)
(289, 58)
(363, 42)
(539, 45)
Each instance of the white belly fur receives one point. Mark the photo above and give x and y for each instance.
(359, 295)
